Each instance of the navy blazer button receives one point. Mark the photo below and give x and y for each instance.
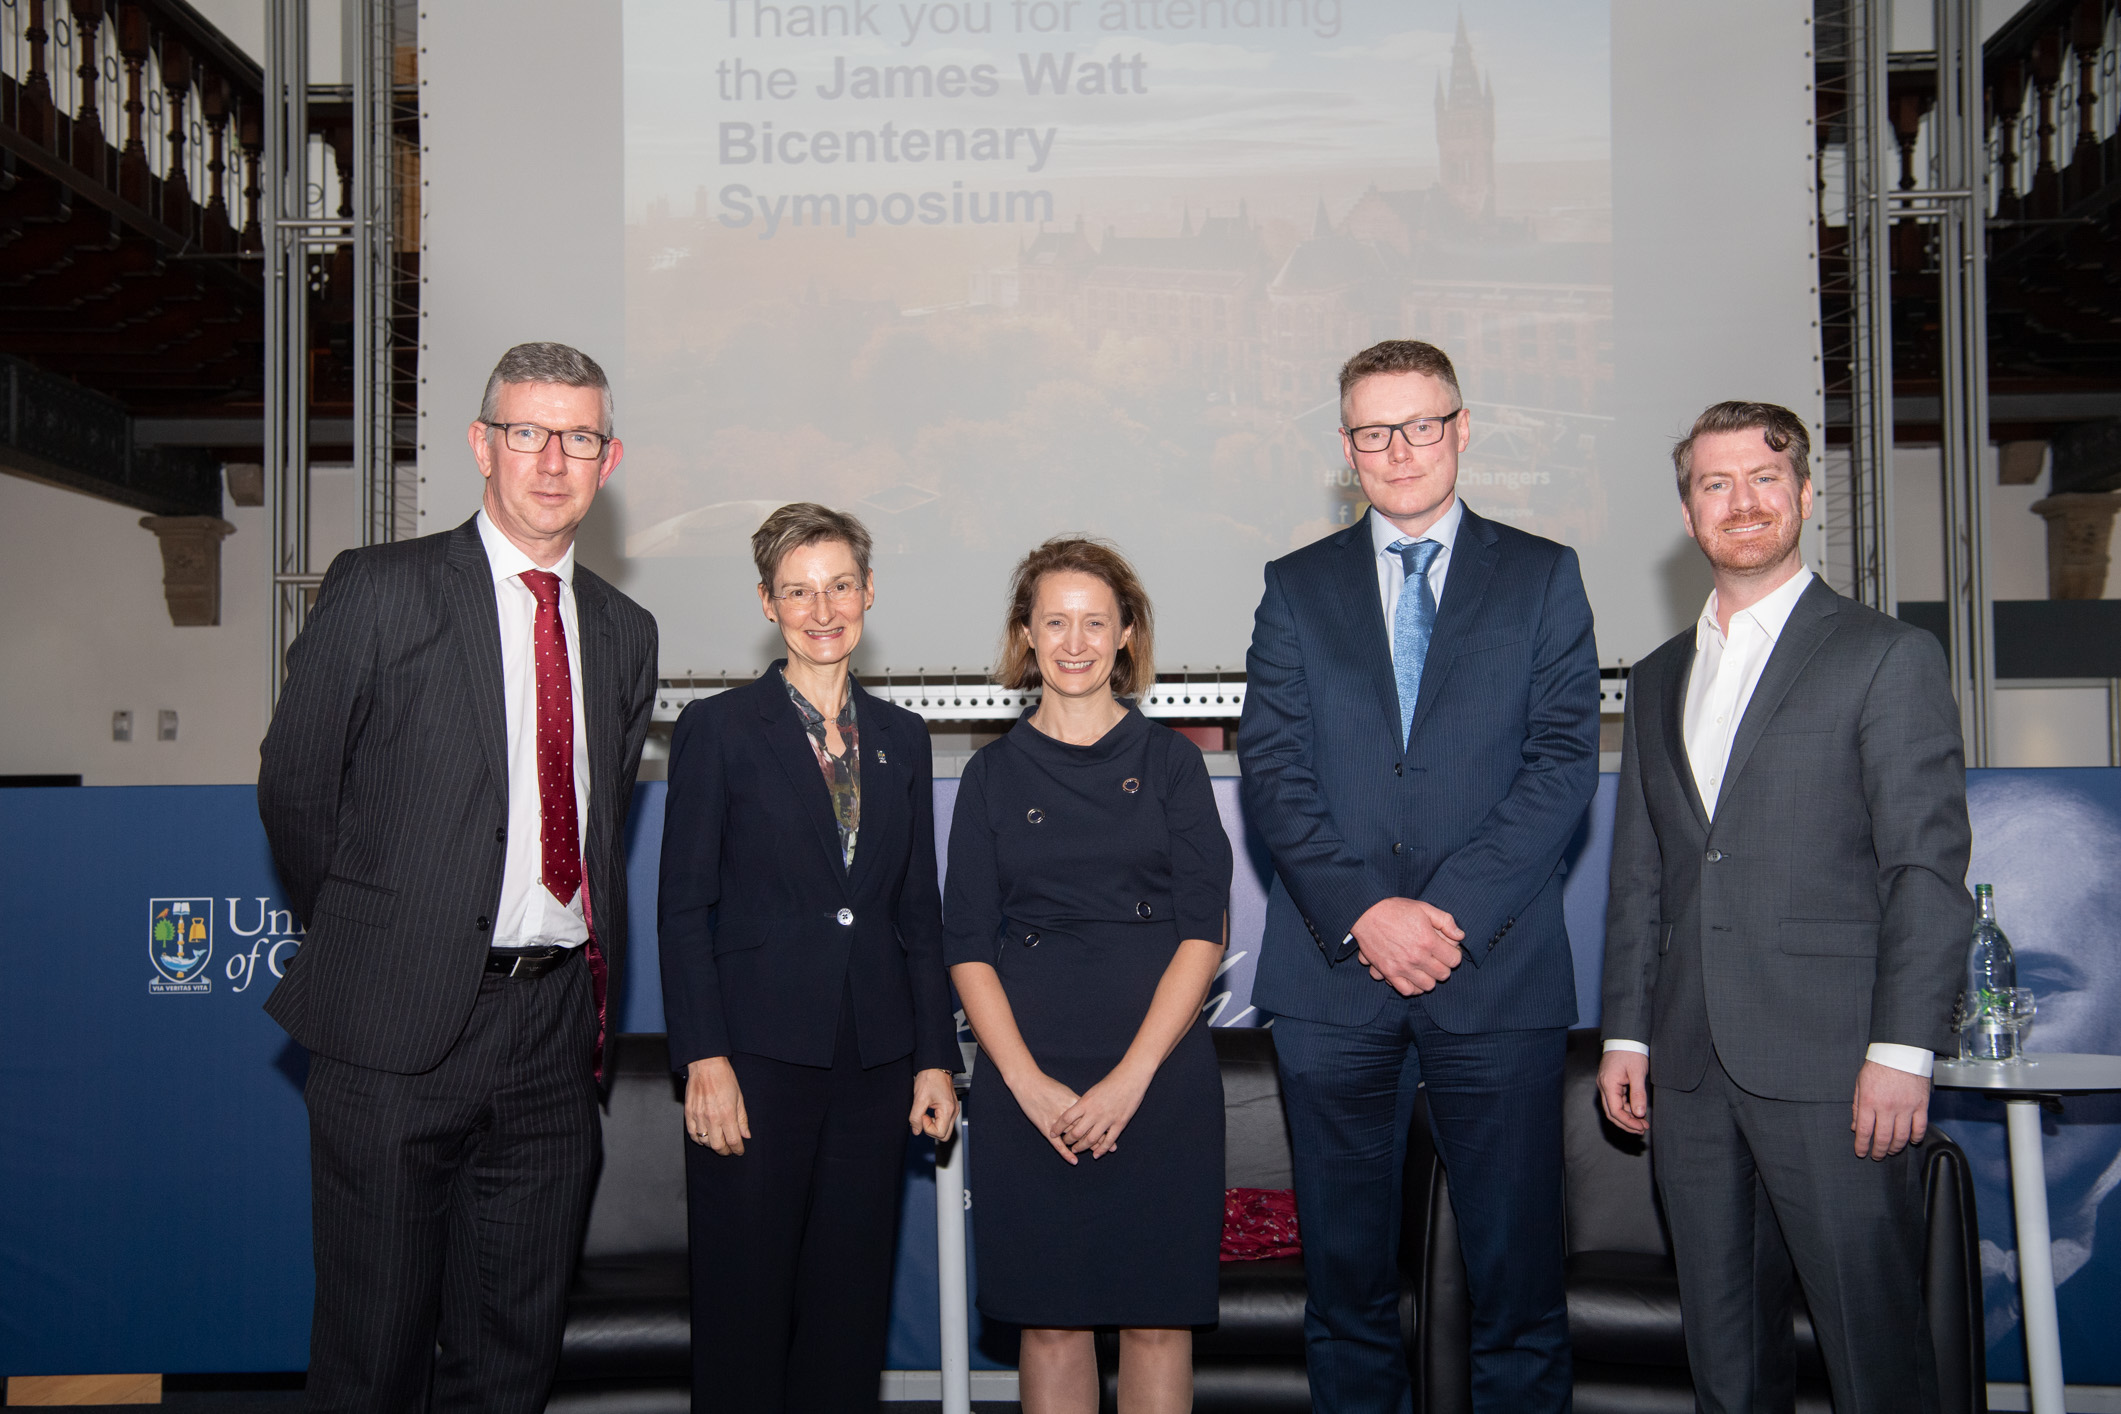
(482, 925)
(1035, 816)
(1714, 856)
(1030, 940)
(1143, 909)
(1398, 848)
(846, 917)
(1398, 769)
(500, 835)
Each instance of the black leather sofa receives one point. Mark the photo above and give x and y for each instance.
(1624, 1295)
(628, 1344)
(628, 1338)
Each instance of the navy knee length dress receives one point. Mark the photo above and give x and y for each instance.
(1076, 871)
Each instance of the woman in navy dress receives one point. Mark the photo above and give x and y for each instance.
(1084, 920)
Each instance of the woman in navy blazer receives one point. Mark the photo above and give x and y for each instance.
(803, 989)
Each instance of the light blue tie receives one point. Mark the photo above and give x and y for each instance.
(1412, 624)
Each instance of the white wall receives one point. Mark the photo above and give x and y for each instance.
(88, 634)
(2017, 539)
(2033, 726)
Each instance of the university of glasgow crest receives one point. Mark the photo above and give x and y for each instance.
(180, 940)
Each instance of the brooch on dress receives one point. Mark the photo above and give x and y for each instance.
(1130, 785)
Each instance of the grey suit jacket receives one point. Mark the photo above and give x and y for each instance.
(383, 785)
(1826, 907)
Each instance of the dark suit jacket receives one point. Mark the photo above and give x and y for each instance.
(383, 785)
(1826, 908)
(1470, 814)
(761, 927)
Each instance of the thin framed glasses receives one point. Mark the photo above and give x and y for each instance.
(800, 599)
(528, 437)
(1418, 432)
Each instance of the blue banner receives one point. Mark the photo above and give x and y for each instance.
(153, 1145)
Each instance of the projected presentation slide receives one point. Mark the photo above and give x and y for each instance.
(982, 271)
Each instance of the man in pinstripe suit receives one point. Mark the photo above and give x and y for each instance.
(444, 786)
(1420, 741)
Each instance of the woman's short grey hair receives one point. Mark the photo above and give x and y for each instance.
(806, 523)
(545, 363)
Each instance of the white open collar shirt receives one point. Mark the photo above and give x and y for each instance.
(1727, 668)
(529, 915)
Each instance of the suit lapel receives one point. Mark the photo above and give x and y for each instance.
(1465, 585)
(1671, 714)
(880, 766)
(789, 745)
(477, 622)
(1810, 624)
(1363, 617)
(599, 694)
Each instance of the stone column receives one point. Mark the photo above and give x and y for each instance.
(191, 566)
(2080, 528)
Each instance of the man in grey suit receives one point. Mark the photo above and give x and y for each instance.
(444, 786)
(1787, 920)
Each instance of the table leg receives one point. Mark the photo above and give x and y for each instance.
(950, 1273)
(2036, 1268)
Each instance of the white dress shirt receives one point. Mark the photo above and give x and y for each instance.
(1727, 668)
(529, 915)
(1392, 571)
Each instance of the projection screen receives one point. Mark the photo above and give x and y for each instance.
(983, 271)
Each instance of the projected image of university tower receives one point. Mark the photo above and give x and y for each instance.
(991, 381)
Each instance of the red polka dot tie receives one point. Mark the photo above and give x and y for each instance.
(559, 827)
(560, 831)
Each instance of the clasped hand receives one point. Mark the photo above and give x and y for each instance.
(1075, 1123)
(1409, 944)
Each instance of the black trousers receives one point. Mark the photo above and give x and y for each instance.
(792, 1240)
(1761, 1194)
(448, 1208)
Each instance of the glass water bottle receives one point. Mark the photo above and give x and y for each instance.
(1988, 1029)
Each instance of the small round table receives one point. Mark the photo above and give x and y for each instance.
(2023, 1084)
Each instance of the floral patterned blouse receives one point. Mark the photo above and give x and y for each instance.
(843, 774)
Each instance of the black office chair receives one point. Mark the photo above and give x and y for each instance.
(1623, 1293)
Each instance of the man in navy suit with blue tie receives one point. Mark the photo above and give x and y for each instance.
(1419, 743)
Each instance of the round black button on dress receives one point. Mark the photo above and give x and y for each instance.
(1143, 910)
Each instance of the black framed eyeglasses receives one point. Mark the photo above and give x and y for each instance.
(529, 437)
(1418, 432)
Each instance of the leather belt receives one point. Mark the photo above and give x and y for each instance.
(527, 962)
